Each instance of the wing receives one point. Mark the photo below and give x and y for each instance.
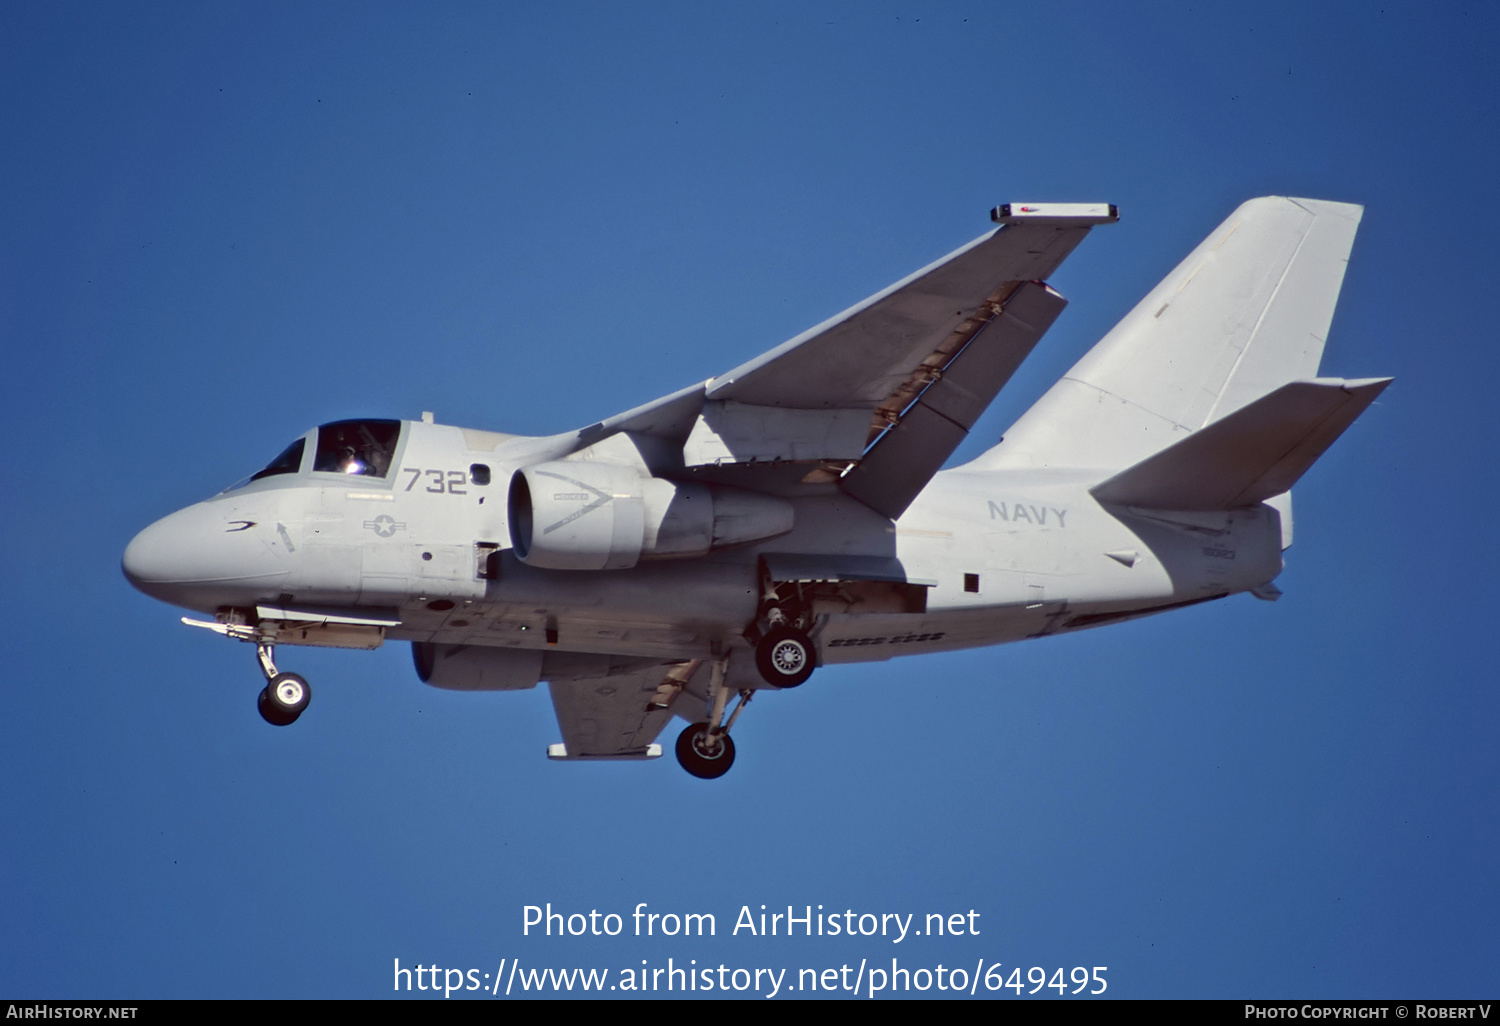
(864, 356)
(619, 708)
(880, 395)
(616, 716)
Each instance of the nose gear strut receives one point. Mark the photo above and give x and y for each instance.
(285, 695)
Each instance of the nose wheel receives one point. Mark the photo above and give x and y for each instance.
(283, 699)
(285, 695)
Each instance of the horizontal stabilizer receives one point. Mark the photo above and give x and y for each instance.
(1257, 452)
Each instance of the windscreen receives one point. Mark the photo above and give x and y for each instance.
(361, 447)
(289, 462)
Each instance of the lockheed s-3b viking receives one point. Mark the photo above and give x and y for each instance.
(735, 535)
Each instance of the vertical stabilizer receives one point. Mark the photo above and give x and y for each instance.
(1246, 313)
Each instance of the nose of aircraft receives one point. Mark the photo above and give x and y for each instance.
(200, 558)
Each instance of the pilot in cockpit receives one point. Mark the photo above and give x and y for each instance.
(350, 463)
(357, 448)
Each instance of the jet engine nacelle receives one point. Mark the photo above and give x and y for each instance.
(475, 667)
(575, 515)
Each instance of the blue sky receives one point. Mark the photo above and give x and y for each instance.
(227, 223)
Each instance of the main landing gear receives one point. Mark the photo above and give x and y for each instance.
(705, 753)
(705, 749)
(285, 694)
(784, 653)
(785, 657)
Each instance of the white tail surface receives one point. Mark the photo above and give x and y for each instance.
(1246, 313)
(1253, 455)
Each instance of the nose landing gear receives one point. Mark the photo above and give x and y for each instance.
(282, 700)
(285, 694)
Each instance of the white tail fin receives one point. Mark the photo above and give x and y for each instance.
(1246, 313)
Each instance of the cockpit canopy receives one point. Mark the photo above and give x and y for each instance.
(362, 448)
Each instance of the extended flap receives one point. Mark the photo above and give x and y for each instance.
(902, 461)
